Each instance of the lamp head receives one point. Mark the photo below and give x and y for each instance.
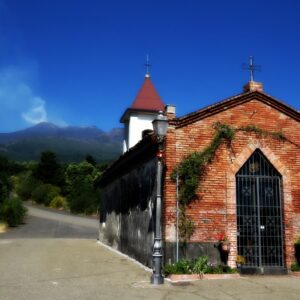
(160, 125)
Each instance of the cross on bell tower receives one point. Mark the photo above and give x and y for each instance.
(251, 67)
(147, 65)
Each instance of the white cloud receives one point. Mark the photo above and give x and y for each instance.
(37, 113)
(19, 106)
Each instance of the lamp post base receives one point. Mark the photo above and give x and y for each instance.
(157, 279)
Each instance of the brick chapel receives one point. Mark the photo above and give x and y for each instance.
(249, 190)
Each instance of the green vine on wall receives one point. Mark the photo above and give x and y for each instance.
(278, 135)
(191, 170)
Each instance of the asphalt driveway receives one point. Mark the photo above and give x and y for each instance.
(56, 256)
(47, 223)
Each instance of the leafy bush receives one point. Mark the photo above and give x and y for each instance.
(183, 266)
(4, 188)
(45, 193)
(220, 269)
(200, 265)
(27, 183)
(295, 267)
(59, 202)
(170, 269)
(12, 211)
(82, 195)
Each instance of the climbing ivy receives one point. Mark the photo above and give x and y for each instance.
(191, 170)
(263, 133)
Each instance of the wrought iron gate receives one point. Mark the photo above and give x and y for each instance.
(259, 213)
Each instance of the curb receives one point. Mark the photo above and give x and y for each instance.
(193, 277)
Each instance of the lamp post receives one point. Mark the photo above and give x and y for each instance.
(160, 126)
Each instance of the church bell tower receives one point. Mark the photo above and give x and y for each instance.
(143, 110)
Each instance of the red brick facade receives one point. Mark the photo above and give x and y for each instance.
(214, 211)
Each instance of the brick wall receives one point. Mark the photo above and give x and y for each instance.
(214, 210)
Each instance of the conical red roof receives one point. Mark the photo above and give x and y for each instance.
(147, 97)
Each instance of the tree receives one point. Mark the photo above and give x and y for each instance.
(82, 195)
(7, 169)
(27, 184)
(48, 170)
(90, 159)
(4, 188)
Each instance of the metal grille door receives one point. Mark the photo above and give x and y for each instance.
(259, 213)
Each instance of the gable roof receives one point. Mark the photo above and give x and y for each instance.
(232, 102)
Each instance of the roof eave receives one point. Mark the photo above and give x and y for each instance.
(232, 102)
(147, 145)
(129, 111)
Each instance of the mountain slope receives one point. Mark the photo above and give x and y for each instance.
(69, 143)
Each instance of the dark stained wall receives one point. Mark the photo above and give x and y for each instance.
(127, 207)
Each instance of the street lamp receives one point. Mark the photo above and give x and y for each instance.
(160, 126)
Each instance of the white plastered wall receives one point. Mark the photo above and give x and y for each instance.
(138, 122)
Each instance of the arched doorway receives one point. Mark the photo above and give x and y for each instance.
(259, 215)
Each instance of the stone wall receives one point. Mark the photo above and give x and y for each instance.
(127, 207)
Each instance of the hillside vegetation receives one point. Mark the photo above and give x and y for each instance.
(69, 186)
(70, 144)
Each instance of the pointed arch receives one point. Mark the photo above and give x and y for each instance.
(259, 213)
(236, 164)
(267, 152)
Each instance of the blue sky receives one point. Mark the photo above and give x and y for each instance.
(81, 62)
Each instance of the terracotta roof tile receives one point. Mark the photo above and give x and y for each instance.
(147, 97)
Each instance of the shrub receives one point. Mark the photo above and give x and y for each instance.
(84, 202)
(198, 266)
(170, 269)
(59, 202)
(12, 211)
(4, 191)
(295, 267)
(45, 193)
(82, 195)
(183, 266)
(27, 183)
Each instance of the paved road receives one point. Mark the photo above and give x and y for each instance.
(77, 268)
(44, 223)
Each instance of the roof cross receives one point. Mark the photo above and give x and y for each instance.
(147, 65)
(251, 67)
